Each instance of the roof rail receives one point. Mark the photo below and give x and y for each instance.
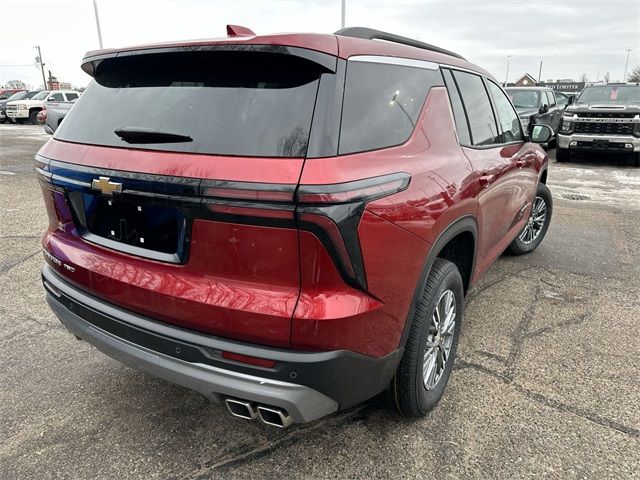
(371, 34)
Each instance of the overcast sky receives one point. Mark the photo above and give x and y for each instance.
(571, 36)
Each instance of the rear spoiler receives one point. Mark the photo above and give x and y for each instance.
(92, 60)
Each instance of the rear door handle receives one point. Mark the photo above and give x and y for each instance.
(485, 180)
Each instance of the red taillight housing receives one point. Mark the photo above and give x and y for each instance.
(333, 212)
(42, 115)
(58, 211)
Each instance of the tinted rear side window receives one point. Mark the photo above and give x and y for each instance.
(229, 103)
(507, 116)
(458, 110)
(476, 100)
(381, 104)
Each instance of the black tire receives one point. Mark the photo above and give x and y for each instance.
(33, 117)
(409, 394)
(636, 160)
(520, 246)
(562, 155)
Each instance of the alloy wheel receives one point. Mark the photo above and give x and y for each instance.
(535, 223)
(439, 340)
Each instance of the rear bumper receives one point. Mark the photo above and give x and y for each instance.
(324, 381)
(598, 142)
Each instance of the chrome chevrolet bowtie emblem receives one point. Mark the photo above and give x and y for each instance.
(105, 186)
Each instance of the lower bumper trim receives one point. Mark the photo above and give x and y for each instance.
(302, 403)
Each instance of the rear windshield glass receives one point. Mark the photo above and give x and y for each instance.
(227, 103)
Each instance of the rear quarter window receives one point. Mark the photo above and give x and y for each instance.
(382, 103)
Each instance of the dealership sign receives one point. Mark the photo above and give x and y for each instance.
(566, 87)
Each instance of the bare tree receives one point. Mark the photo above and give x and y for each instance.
(607, 77)
(584, 78)
(634, 75)
(11, 84)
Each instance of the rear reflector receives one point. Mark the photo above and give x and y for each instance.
(259, 362)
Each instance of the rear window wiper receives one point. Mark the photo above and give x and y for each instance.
(148, 135)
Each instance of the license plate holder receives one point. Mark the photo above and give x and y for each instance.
(136, 224)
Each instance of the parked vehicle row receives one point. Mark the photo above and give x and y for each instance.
(25, 108)
(292, 224)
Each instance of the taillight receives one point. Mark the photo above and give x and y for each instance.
(249, 201)
(365, 190)
(42, 115)
(333, 212)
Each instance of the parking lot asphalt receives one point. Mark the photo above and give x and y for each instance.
(546, 383)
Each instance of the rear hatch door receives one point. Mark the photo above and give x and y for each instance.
(178, 170)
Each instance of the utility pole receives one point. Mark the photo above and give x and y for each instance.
(44, 80)
(540, 73)
(95, 9)
(626, 64)
(344, 12)
(506, 77)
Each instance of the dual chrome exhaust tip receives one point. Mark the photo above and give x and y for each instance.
(273, 416)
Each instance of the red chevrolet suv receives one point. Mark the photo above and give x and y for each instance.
(288, 223)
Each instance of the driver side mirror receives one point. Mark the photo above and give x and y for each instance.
(541, 133)
(544, 109)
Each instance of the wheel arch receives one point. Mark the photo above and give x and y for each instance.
(543, 175)
(464, 229)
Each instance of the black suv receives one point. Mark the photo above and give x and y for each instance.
(536, 106)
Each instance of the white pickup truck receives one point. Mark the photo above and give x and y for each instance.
(26, 111)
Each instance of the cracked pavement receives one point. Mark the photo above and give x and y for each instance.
(545, 384)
